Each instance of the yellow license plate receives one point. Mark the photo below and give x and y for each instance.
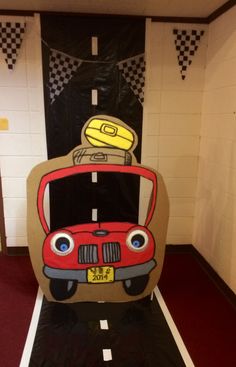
(101, 274)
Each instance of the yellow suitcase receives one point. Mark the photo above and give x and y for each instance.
(104, 133)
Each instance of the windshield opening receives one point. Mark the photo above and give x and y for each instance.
(97, 197)
(82, 198)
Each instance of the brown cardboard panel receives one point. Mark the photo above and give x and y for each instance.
(111, 261)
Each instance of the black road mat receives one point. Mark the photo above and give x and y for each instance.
(69, 335)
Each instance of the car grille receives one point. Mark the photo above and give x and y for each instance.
(88, 254)
(111, 252)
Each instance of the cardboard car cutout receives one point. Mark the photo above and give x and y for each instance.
(97, 260)
(97, 252)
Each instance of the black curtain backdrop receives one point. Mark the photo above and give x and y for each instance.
(119, 38)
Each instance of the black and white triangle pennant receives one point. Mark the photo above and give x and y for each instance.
(11, 36)
(133, 71)
(62, 67)
(186, 44)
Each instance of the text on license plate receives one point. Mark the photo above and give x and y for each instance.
(101, 274)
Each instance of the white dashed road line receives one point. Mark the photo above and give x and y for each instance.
(32, 330)
(107, 356)
(176, 335)
(94, 97)
(94, 46)
(104, 325)
(94, 177)
(94, 215)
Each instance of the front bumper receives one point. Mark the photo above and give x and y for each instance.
(124, 273)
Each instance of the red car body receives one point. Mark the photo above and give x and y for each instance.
(98, 252)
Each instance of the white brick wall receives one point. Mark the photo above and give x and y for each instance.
(24, 144)
(171, 126)
(172, 120)
(215, 222)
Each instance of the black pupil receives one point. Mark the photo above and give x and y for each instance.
(138, 241)
(62, 244)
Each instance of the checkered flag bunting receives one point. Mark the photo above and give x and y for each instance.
(186, 44)
(133, 71)
(62, 68)
(11, 36)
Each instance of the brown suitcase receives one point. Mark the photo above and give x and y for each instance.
(92, 155)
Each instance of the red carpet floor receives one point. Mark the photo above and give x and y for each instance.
(18, 289)
(204, 317)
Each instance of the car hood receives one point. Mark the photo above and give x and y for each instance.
(105, 226)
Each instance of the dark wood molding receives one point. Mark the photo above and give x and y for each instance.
(216, 279)
(165, 19)
(17, 251)
(173, 249)
(221, 10)
(192, 20)
(21, 13)
(198, 20)
(2, 222)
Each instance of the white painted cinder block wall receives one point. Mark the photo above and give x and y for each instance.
(170, 136)
(215, 220)
(24, 144)
(172, 120)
